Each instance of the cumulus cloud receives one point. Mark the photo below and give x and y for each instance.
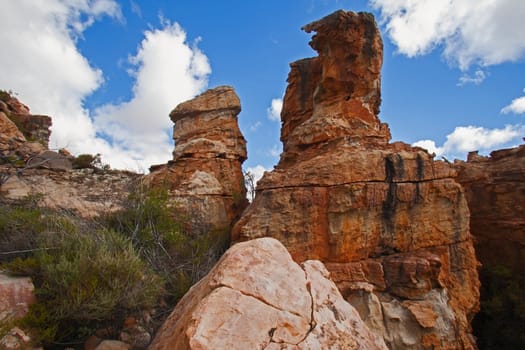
(470, 32)
(45, 68)
(167, 71)
(517, 106)
(50, 74)
(274, 111)
(465, 139)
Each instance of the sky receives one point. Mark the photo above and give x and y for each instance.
(109, 72)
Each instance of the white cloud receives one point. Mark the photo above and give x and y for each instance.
(465, 139)
(45, 68)
(274, 111)
(517, 106)
(470, 32)
(167, 72)
(51, 76)
(430, 146)
(477, 78)
(257, 172)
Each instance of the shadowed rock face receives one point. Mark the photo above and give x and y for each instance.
(495, 191)
(205, 176)
(389, 222)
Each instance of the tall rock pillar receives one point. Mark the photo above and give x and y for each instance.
(388, 221)
(205, 177)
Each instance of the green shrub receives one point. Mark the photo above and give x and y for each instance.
(20, 226)
(84, 282)
(159, 233)
(86, 278)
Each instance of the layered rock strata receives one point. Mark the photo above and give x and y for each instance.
(495, 190)
(205, 176)
(389, 222)
(256, 297)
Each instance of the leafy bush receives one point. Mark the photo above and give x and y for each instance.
(85, 278)
(159, 233)
(89, 275)
(20, 225)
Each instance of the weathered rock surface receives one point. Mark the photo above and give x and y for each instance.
(256, 297)
(495, 190)
(22, 134)
(16, 294)
(84, 192)
(205, 176)
(390, 223)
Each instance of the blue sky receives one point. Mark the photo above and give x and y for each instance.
(109, 72)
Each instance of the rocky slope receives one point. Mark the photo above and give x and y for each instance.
(389, 222)
(256, 297)
(205, 176)
(29, 168)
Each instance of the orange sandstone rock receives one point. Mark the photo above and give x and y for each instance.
(205, 176)
(389, 221)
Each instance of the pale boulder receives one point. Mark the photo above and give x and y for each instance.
(256, 297)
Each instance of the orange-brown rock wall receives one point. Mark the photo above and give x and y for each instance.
(389, 222)
(495, 191)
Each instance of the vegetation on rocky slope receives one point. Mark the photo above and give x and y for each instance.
(91, 274)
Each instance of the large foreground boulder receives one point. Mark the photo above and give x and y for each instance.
(256, 297)
(389, 222)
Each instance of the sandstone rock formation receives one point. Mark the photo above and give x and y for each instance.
(389, 222)
(22, 134)
(495, 191)
(256, 297)
(205, 176)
